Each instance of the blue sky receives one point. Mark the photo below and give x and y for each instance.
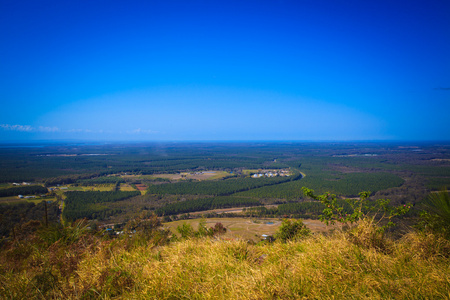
(224, 70)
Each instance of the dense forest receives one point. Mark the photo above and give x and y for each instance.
(217, 188)
(349, 184)
(80, 205)
(304, 210)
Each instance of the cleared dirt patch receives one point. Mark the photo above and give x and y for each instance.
(142, 188)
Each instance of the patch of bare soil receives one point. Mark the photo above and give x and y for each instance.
(141, 187)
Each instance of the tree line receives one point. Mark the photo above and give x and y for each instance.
(217, 188)
(342, 184)
(23, 190)
(205, 204)
(307, 209)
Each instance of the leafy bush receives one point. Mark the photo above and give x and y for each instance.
(367, 220)
(218, 229)
(187, 231)
(378, 212)
(146, 228)
(292, 230)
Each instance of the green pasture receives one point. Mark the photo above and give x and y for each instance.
(98, 187)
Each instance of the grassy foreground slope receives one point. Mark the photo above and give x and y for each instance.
(318, 267)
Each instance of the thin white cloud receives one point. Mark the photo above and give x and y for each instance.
(28, 128)
(23, 128)
(54, 129)
(75, 130)
(86, 130)
(143, 131)
(47, 129)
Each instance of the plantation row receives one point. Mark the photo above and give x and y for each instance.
(352, 183)
(80, 205)
(310, 209)
(348, 185)
(23, 190)
(216, 188)
(205, 204)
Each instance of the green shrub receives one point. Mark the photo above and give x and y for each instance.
(186, 230)
(367, 220)
(378, 213)
(292, 230)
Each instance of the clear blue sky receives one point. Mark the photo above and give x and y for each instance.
(225, 70)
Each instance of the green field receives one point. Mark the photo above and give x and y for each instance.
(97, 187)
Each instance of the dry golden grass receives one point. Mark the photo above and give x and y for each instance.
(104, 187)
(318, 267)
(125, 187)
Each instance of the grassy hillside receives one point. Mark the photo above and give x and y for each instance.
(79, 265)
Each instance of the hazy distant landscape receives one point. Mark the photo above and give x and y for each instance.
(136, 196)
(175, 179)
(224, 149)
